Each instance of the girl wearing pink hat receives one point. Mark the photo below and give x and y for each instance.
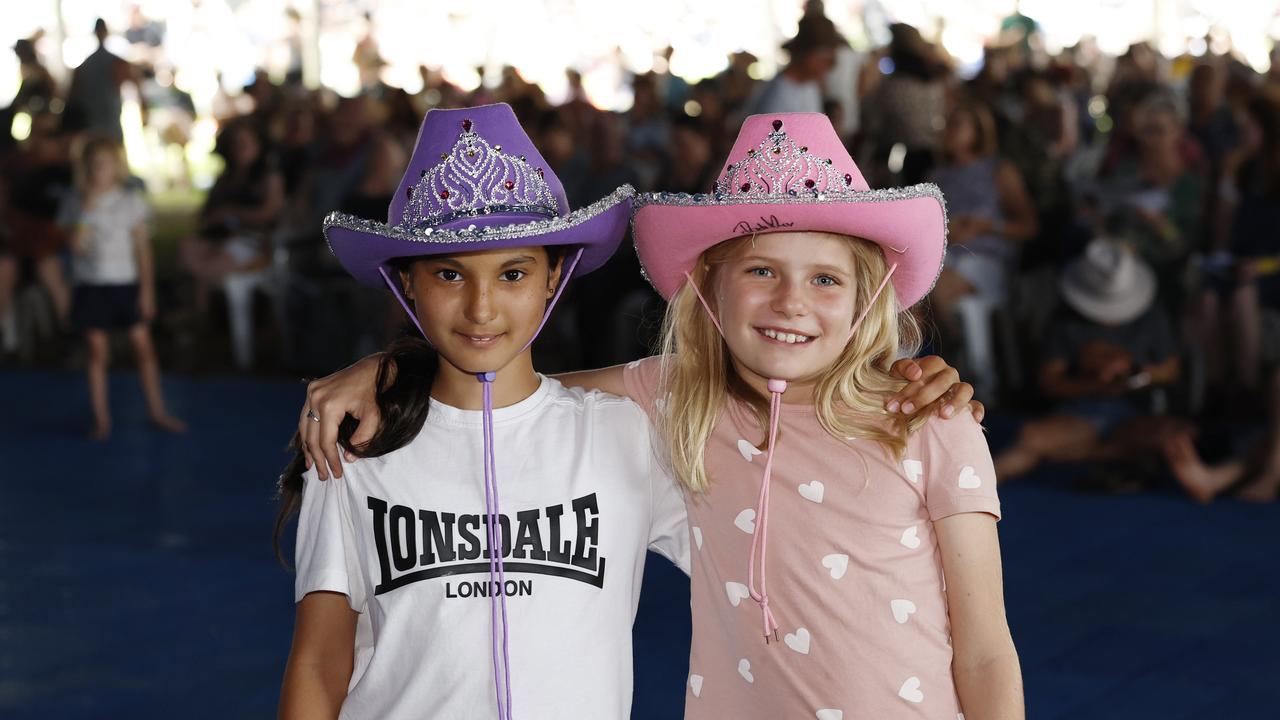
(880, 594)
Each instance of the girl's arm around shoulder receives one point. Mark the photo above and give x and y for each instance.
(987, 674)
(636, 380)
(608, 380)
(321, 659)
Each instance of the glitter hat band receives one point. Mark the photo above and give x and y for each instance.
(789, 172)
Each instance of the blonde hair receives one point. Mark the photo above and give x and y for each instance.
(90, 148)
(698, 377)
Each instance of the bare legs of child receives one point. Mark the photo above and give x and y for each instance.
(149, 377)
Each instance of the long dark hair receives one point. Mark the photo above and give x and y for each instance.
(405, 374)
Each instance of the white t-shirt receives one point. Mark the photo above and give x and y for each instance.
(582, 497)
(108, 257)
(784, 95)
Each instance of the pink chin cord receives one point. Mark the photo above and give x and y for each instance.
(760, 537)
(497, 573)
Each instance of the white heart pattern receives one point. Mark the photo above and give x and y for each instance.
(830, 714)
(813, 491)
(737, 592)
(746, 521)
(695, 684)
(744, 669)
(747, 449)
(902, 609)
(798, 641)
(969, 479)
(910, 537)
(914, 469)
(697, 536)
(837, 563)
(910, 690)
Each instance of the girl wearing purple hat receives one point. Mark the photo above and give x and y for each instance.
(534, 693)
(484, 557)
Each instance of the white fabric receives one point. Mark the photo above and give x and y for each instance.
(108, 257)
(842, 85)
(572, 464)
(782, 94)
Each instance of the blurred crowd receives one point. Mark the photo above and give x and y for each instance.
(1113, 270)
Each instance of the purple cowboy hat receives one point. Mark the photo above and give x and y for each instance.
(476, 182)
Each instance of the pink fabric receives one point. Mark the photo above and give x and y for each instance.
(669, 238)
(856, 582)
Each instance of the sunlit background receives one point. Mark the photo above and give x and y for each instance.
(212, 48)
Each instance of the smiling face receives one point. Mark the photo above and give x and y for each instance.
(786, 305)
(479, 309)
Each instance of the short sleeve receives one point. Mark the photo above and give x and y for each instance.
(642, 379)
(668, 519)
(958, 473)
(325, 554)
(140, 212)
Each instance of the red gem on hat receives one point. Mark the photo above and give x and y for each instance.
(746, 186)
(777, 151)
(444, 194)
(777, 124)
(466, 126)
(508, 184)
(848, 179)
(540, 173)
(809, 183)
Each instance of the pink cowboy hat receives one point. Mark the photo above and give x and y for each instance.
(789, 172)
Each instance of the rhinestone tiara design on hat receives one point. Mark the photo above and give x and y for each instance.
(789, 172)
(475, 181)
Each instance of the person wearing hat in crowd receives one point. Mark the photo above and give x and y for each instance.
(1105, 350)
(799, 85)
(423, 591)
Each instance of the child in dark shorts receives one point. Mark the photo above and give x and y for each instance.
(113, 274)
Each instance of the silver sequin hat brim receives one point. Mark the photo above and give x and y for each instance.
(689, 247)
(363, 246)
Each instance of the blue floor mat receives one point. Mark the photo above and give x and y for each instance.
(137, 580)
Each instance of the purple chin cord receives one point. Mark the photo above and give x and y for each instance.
(760, 537)
(497, 574)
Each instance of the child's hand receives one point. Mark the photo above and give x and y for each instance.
(929, 379)
(350, 391)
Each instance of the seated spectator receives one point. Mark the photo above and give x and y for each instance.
(1155, 198)
(1110, 345)
(1243, 284)
(238, 214)
(35, 179)
(988, 207)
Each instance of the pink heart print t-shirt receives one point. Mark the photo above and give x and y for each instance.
(855, 577)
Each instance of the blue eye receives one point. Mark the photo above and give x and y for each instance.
(826, 281)
(760, 272)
